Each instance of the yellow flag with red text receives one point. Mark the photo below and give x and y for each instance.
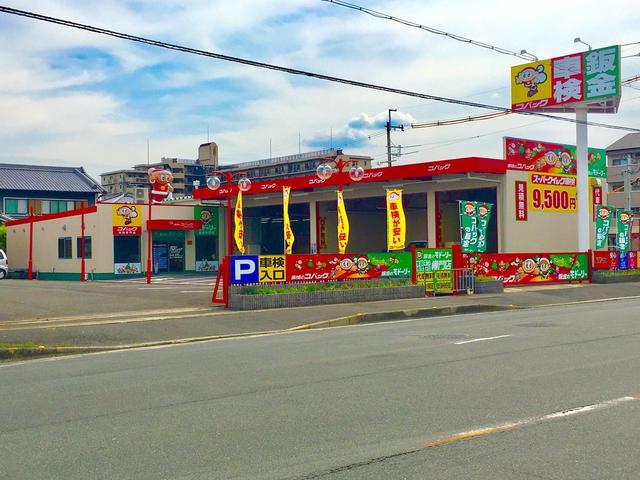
(238, 233)
(288, 233)
(343, 225)
(396, 222)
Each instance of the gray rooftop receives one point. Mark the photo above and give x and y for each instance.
(628, 142)
(46, 179)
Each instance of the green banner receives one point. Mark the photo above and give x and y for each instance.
(603, 225)
(393, 265)
(602, 73)
(468, 226)
(483, 211)
(474, 220)
(625, 219)
(433, 259)
(209, 217)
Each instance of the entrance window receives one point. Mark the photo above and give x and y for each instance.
(206, 248)
(87, 247)
(126, 249)
(64, 247)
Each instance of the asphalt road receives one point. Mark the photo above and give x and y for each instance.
(485, 396)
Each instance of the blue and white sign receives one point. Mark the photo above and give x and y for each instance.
(244, 269)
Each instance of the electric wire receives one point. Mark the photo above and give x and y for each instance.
(293, 71)
(523, 54)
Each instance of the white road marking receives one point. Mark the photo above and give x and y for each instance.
(195, 291)
(481, 339)
(484, 431)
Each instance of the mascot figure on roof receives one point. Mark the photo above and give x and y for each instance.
(161, 188)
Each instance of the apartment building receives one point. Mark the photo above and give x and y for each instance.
(624, 155)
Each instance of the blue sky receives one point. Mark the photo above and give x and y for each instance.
(76, 98)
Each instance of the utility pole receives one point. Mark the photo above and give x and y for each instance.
(389, 128)
(627, 181)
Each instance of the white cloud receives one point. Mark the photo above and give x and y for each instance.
(73, 116)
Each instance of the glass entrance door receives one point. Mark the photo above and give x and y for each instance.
(168, 251)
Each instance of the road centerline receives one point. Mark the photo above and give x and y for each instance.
(483, 339)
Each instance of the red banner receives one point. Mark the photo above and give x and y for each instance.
(340, 267)
(174, 224)
(521, 202)
(127, 231)
(605, 260)
(530, 268)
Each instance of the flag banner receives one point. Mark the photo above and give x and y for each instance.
(603, 225)
(289, 238)
(625, 219)
(343, 225)
(396, 222)
(238, 233)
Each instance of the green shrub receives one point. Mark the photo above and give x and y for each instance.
(328, 286)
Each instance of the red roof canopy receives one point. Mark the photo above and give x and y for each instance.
(416, 170)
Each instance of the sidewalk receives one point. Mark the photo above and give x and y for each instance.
(163, 325)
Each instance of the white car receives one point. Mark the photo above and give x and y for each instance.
(4, 266)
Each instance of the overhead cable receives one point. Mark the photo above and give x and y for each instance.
(523, 53)
(294, 71)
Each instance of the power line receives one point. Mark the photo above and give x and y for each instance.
(456, 121)
(293, 71)
(523, 54)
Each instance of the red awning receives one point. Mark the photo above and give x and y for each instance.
(415, 170)
(174, 224)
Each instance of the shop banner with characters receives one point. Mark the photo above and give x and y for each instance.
(126, 220)
(553, 158)
(474, 220)
(603, 225)
(238, 232)
(343, 225)
(623, 237)
(209, 218)
(396, 222)
(531, 268)
(288, 233)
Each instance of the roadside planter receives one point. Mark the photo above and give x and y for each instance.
(298, 295)
(615, 276)
(488, 285)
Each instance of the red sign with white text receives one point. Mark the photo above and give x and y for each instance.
(174, 224)
(127, 231)
(522, 213)
(605, 260)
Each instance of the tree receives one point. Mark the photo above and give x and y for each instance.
(3, 237)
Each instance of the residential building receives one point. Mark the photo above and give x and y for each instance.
(624, 155)
(44, 189)
(185, 171)
(297, 165)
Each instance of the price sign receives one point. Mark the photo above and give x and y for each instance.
(553, 193)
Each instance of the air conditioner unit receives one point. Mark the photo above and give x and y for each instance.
(142, 195)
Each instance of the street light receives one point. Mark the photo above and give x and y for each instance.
(244, 185)
(577, 40)
(325, 170)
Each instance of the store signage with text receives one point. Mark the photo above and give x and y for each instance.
(552, 193)
(163, 224)
(126, 220)
(525, 268)
(521, 202)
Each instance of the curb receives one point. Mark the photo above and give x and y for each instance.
(403, 315)
(39, 352)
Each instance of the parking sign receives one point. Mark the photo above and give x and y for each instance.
(244, 269)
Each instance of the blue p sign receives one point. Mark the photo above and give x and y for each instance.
(244, 269)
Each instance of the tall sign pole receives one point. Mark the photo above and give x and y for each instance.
(82, 264)
(582, 168)
(149, 240)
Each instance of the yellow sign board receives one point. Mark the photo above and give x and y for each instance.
(272, 268)
(438, 281)
(396, 222)
(126, 219)
(552, 193)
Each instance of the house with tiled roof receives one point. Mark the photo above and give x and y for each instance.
(44, 189)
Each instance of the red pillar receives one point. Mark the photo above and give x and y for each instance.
(30, 267)
(229, 222)
(149, 241)
(82, 264)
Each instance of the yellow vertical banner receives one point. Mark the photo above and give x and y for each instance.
(343, 225)
(238, 233)
(288, 233)
(396, 222)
